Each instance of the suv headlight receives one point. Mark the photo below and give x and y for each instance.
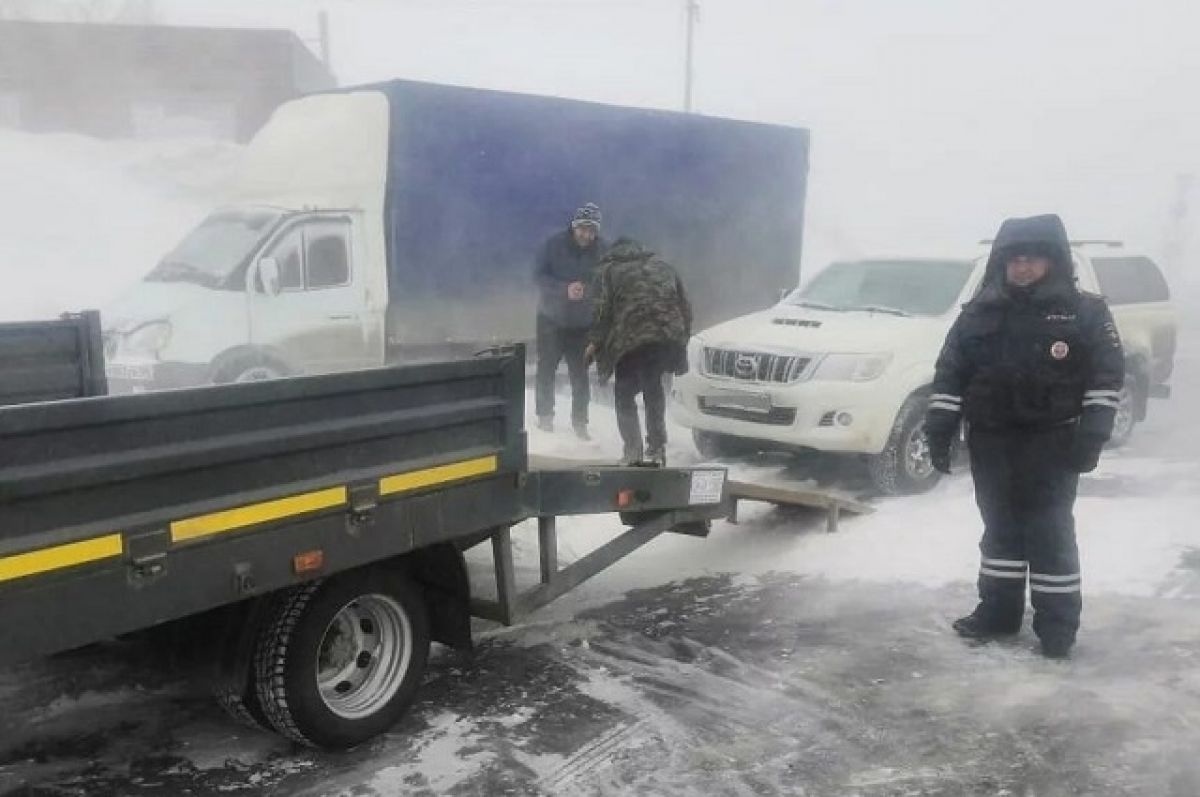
(852, 367)
(148, 340)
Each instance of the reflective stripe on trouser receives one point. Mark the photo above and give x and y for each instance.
(1025, 488)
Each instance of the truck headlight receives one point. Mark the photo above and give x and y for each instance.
(148, 340)
(695, 354)
(852, 367)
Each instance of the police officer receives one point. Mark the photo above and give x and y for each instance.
(1034, 367)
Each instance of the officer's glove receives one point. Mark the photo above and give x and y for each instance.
(1085, 451)
(939, 449)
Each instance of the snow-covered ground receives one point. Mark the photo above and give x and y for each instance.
(769, 658)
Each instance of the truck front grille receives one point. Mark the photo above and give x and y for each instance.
(750, 366)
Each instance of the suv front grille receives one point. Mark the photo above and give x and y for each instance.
(750, 366)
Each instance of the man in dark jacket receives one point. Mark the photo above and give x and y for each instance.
(1035, 368)
(642, 325)
(565, 271)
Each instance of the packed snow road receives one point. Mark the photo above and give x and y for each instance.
(771, 658)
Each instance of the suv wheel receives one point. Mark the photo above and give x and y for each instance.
(904, 466)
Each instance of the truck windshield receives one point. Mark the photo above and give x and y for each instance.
(895, 287)
(213, 252)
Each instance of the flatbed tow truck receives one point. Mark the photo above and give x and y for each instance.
(312, 529)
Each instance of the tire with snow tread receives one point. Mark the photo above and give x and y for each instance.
(242, 705)
(895, 470)
(233, 681)
(293, 643)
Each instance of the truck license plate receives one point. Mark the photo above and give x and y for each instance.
(707, 486)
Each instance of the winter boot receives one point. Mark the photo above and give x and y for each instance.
(545, 423)
(633, 455)
(581, 431)
(975, 626)
(656, 457)
(1056, 648)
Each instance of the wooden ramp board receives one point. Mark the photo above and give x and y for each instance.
(833, 502)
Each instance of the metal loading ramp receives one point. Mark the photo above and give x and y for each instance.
(832, 502)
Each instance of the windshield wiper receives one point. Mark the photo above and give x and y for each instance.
(879, 308)
(816, 305)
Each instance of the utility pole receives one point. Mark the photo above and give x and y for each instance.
(1177, 249)
(323, 37)
(693, 14)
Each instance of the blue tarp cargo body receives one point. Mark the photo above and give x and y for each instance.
(477, 180)
(401, 222)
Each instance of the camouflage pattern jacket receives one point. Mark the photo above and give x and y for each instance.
(640, 301)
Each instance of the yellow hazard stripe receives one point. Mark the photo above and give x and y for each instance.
(60, 556)
(257, 514)
(419, 479)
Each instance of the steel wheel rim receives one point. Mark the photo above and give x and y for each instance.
(917, 461)
(364, 653)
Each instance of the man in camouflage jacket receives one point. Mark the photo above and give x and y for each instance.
(642, 325)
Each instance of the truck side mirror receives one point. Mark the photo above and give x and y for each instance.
(268, 273)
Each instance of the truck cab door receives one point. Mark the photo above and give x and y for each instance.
(308, 300)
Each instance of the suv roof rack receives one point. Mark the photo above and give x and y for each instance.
(1111, 244)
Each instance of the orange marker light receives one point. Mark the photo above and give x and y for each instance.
(625, 498)
(308, 562)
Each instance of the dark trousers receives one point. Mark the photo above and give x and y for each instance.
(554, 344)
(1025, 487)
(641, 371)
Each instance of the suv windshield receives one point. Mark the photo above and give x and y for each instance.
(899, 287)
(211, 253)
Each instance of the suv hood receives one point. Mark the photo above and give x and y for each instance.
(798, 329)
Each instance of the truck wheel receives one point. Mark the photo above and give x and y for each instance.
(241, 703)
(711, 445)
(340, 660)
(233, 681)
(1126, 416)
(246, 368)
(904, 466)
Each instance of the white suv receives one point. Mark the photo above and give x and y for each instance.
(845, 363)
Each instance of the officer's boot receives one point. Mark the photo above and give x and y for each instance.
(983, 624)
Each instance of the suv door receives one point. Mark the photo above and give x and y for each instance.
(1140, 299)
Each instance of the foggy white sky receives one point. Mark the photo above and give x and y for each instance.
(931, 119)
